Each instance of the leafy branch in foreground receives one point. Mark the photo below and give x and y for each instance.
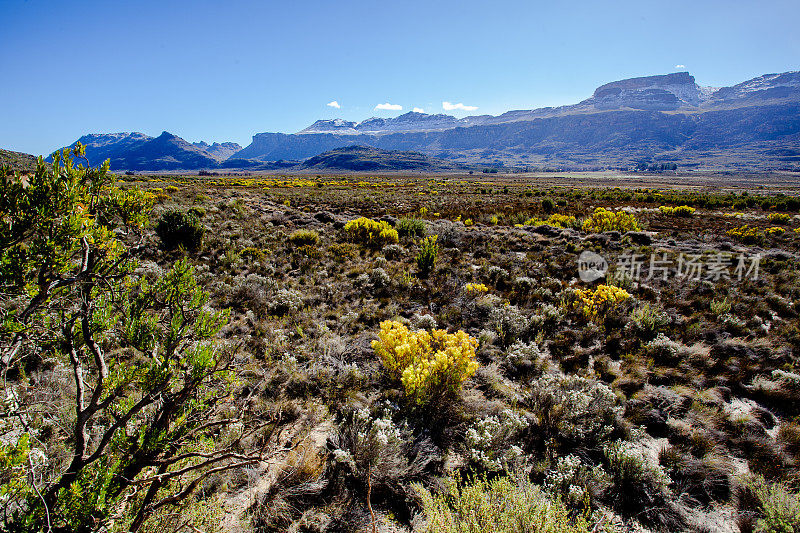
(149, 416)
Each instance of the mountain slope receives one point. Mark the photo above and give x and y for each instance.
(18, 161)
(136, 151)
(219, 151)
(365, 158)
(752, 125)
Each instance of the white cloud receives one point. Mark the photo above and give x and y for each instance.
(418, 110)
(333, 104)
(389, 107)
(447, 106)
(679, 67)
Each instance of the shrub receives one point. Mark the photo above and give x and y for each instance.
(252, 253)
(372, 233)
(595, 303)
(777, 508)
(576, 482)
(573, 409)
(720, 307)
(649, 320)
(180, 229)
(286, 301)
(502, 505)
(640, 486)
(555, 220)
(304, 237)
(430, 365)
(774, 231)
(509, 323)
(779, 218)
(679, 211)
(489, 440)
(746, 234)
(606, 220)
(547, 205)
(474, 289)
(410, 227)
(426, 258)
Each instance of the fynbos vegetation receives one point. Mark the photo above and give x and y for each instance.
(262, 353)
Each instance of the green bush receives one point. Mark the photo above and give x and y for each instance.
(777, 508)
(304, 237)
(428, 252)
(180, 229)
(501, 505)
(410, 227)
(547, 205)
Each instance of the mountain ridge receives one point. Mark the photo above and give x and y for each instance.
(753, 125)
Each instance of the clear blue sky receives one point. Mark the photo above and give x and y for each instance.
(224, 70)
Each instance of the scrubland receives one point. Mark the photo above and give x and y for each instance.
(421, 354)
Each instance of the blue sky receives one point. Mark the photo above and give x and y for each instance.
(224, 70)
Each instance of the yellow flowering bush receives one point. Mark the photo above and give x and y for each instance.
(370, 232)
(429, 364)
(475, 288)
(747, 234)
(779, 218)
(594, 303)
(680, 211)
(606, 220)
(555, 220)
(775, 231)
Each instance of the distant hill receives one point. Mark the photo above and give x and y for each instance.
(18, 161)
(137, 151)
(219, 151)
(369, 159)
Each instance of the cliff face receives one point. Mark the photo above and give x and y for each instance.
(752, 125)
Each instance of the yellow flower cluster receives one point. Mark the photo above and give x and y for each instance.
(371, 232)
(475, 288)
(775, 230)
(556, 220)
(779, 218)
(429, 364)
(594, 303)
(747, 234)
(680, 211)
(606, 220)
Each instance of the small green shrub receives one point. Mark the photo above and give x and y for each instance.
(180, 229)
(502, 505)
(252, 254)
(648, 320)
(547, 205)
(638, 485)
(304, 237)
(720, 307)
(428, 252)
(775, 507)
(410, 227)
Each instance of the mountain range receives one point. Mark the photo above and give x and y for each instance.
(754, 125)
